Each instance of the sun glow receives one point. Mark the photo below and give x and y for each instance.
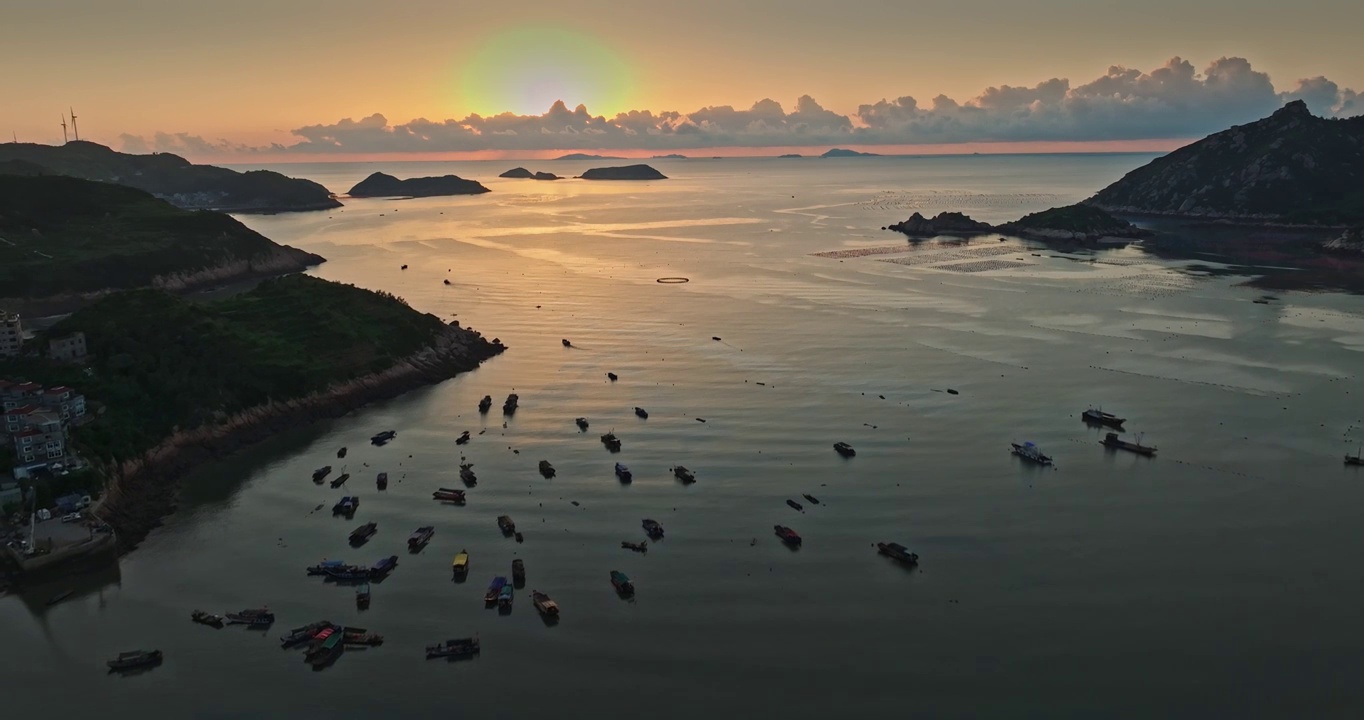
(525, 70)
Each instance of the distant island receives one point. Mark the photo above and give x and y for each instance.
(524, 174)
(381, 185)
(842, 153)
(629, 172)
(791, 155)
(1291, 168)
(67, 238)
(584, 156)
(171, 178)
(673, 156)
(1073, 223)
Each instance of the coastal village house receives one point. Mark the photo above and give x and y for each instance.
(34, 421)
(11, 334)
(67, 349)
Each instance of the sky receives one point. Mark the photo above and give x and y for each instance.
(349, 78)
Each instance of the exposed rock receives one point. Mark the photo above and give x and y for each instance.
(948, 223)
(628, 172)
(1076, 223)
(524, 174)
(1350, 242)
(381, 185)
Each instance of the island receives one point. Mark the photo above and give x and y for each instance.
(382, 185)
(524, 174)
(181, 383)
(68, 241)
(628, 172)
(1073, 223)
(842, 153)
(1290, 168)
(789, 156)
(672, 156)
(585, 156)
(172, 178)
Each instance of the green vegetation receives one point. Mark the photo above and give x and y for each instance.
(173, 178)
(160, 363)
(64, 235)
(1079, 219)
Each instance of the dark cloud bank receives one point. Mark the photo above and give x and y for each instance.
(1171, 102)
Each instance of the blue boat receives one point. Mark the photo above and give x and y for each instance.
(495, 589)
(384, 566)
(504, 597)
(346, 506)
(323, 567)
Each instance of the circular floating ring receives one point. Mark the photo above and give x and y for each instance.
(673, 280)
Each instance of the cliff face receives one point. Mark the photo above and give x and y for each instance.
(1291, 167)
(381, 185)
(143, 490)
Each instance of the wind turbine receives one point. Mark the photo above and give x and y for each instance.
(75, 129)
(64, 140)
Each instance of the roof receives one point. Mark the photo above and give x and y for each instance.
(26, 387)
(57, 390)
(23, 410)
(5, 383)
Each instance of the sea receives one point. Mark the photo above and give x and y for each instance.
(1219, 578)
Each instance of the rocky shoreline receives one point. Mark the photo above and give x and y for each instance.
(142, 491)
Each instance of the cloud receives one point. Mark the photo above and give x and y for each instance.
(1173, 101)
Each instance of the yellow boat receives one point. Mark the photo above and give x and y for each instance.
(461, 563)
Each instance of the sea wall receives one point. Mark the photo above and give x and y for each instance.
(143, 490)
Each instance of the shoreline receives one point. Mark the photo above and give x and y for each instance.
(144, 490)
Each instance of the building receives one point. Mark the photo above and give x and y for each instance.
(67, 349)
(11, 333)
(41, 444)
(34, 421)
(13, 395)
(69, 404)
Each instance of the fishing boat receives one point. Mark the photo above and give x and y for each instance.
(463, 439)
(1112, 440)
(494, 589)
(641, 413)
(504, 596)
(327, 652)
(796, 505)
(466, 474)
(321, 638)
(340, 480)
(652, 528)
(203, 618)
(485, 404)
(383, 437)
(1355, 459)
(544, 605)
(505, 523)
(683, 474)
(382, 481)
(341, 453)
(642, 546)
(349, 574)
(898, 552)
(358, 636)
(346, 506)
(449, 495)
(362, 534)
(611, 442)
(621, 582)
(509, 407)
(322, 567)
(135, 659)
(844, 449)
(1096, 416)
(457, 647)
(813, 500)
(460, 565)
(623, 473)
(546, 469)
(420, 537)
(256, 617)
(300, 635)
(519, 537)
(1030, 452)
(321, 473)
(518, 572)
(381, 569)
(362, 596)
(581, 422)
(787, 535)
(613, 376)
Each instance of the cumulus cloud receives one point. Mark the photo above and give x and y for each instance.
(1172, 101)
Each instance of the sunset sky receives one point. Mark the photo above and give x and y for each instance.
(239, 78)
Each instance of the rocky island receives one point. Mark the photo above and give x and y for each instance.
(844, 153)
(382, 185)
(171, 178)
(1290, 168)
(1073, 223)
(67, 241)
(628, 172)
(585, 156)
(521, 173)
(947, 223)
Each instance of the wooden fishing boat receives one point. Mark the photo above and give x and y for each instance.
(505, 523)
(362, 596)
(382, 481)
(518, 572)
(623, 473)
(652, 528)
(485, 404)
(844, 449)
(546, 469)
(796, 505)
(419, 538)
(255, 617)
(509, 407)
(463, 439)
(787, 535)
(453, 648)
(460, 565)
(544, 605)
(582, 423)
(898, 552)
(621, 582)
(686, 476)
(641, 413)
(611, 442)
(361, 535)
(340, 480)
(203, 618)
(494, 590)
(134, 660)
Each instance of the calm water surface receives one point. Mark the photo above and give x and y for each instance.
(1218, 579)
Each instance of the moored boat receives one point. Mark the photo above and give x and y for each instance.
(449, 495)
(1112, 440)
(504, 596)
(1096, 416)
(340, 480)
(641, 413)
(1355, 459)
(611, 442)
(623, 473)
(544, 605)
(518, 572)
(381, 569)
(582, 423)
(621, 582)
(383, 437)
(614, 377)
(460, 565)
(326, 652)
(346, 506)
(844, 449)
(505, 523)
(494, 589)
(322, 567)
(787, 535)
(796, 505)
(485, 404)
(463, 439)
(813, 500)
(382, 481)
(209, 619)
(566, 342)
(546, 469)
(341, 453)
(135, 659)
(642, 546)
(456, 647)
(466, 474)
(509, 407)
(360, 637)
(898, 552)
(321, 473)
(419, 538)
(362, 596)
(300, 635)
(652, 528)
(362, 534)
(251, 616)
(1030, 452)
(683, 474)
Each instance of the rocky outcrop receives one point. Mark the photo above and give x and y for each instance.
(142, 491)
(1350, 242)
(845, 153)
(381, 185)
(521, 173)
(1073, 223)
(628, 172)
(948, 223)
(1289, 168)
